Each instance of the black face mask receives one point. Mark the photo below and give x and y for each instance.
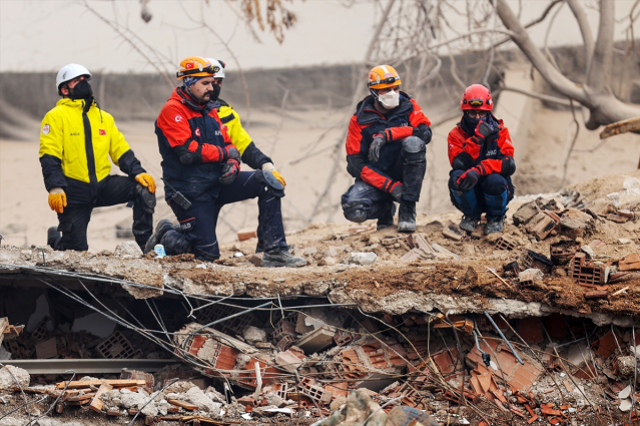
(81, 90)
(213, 94)
(469, 124)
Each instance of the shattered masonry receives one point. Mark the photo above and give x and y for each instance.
(439, 327)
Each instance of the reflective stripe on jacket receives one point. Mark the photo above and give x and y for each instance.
(77, 145)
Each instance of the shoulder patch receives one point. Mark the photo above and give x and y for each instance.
(46, 129)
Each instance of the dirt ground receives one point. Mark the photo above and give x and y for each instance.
(301, 144)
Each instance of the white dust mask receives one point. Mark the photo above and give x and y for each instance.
(390, 100)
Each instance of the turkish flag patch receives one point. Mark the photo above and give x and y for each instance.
(102, 132)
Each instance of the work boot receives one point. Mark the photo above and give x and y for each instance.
(469, 224)
(494, 226)
(407, 216)
(161, 228)
(53, 235)
(387, 220)
(280, 257)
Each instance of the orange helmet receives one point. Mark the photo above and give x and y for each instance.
(476, 97)
(383, 76)
(196, 66)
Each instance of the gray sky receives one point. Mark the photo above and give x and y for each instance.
(44, 35)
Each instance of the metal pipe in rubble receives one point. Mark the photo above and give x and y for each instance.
(503, 338)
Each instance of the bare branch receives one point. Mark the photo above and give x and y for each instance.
(245, 85)
(554, 77)
(479, 31)
(485, 79)
(572, 145)
(585, 29)
(534, 22)
(540, 96)
(599, 76)
(128, 39)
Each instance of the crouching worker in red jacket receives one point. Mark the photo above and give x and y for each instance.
(481, 155)
(386, 153)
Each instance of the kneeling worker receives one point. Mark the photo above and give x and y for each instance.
(481, 155)
(77, 138)
(201, 171)
(386, 153)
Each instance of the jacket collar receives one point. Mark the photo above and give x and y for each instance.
(185, 98)
(367, 113)
(77, 103)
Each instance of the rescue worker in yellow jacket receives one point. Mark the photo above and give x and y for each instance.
(251, 155)
(77, 139)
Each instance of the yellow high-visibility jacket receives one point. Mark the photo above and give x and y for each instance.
(250, 153)
(77, 145)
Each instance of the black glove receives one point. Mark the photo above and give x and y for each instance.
(483, 131)
(423, 132)
(230, 171)
(468, 180)
(396, 192)
(376, 146)
(232, 152)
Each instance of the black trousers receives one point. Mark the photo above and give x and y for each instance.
(111, 190)
(198, 224)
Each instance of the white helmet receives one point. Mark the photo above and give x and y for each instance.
(220, 64)
(69, 72)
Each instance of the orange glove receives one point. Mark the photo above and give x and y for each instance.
(270, 167)
(279, 177)
(57, 200)
(147, 181)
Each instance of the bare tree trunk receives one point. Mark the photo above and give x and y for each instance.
(585, 29)
(596, 95)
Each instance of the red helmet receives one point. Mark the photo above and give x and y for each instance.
(476, 97)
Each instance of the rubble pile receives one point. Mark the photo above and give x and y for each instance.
(339, 364)
(534, 325)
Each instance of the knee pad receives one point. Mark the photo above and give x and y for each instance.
(146, 199)
(414, 148)
(355, 211)
(271, 184)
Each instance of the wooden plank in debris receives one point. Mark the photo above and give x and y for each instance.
(183, 404)
(85, 383)
(81, 399)
(619, 127)
(96, 403)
